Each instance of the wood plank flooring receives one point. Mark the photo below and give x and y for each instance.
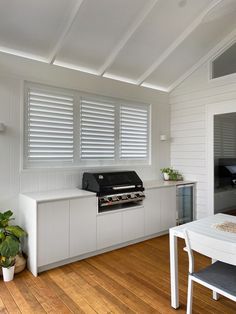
(134, 279)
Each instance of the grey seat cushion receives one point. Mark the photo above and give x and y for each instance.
(220, 275)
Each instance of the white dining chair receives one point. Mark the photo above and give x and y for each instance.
(218, 277)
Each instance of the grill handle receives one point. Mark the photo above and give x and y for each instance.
(126, 187)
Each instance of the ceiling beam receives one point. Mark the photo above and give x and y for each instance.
(22, 54)
(177, 42)
(65, 31)
(121, 44)
(219, 48)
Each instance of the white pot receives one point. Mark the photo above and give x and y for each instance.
(8, 273)
(166, 176)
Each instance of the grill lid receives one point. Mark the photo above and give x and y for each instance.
(112, 182)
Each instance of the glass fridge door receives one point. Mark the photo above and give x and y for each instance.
(184, 203)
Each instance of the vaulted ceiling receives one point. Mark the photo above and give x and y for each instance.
(153, 43)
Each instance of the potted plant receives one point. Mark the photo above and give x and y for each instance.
(166, 172)
(171, 174)
(10, 244)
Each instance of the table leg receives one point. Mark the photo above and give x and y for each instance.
(215, 295)
(174, 270)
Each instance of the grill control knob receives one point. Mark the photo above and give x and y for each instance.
(140, 194)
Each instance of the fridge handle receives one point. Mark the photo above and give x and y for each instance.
(184, 185)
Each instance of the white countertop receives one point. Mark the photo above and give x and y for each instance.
(47, 196)
(161, 183)
(58, 195)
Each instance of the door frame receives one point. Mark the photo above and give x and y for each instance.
(213, 109)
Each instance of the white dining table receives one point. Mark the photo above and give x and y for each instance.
(206, 227)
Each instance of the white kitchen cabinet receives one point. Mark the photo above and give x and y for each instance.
(109, 229)
(168, 207)
(152, 204)
(60, 225)
(53, 232)
(118, 227)
(133, 224)
(160, 209)
(64, 225)
(83, 215)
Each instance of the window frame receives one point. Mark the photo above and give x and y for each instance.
(224, 78)
(77, 161)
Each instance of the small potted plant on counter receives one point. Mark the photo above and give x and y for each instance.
(10, 244)
(166, 173)
(171, 174)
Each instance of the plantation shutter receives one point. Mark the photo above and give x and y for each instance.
(134, 123)
(228, 138)
(50, 127)
(224, 138)
(217, 138)
(97, 129)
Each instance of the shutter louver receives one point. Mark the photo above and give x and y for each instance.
(97, 130)
(50, 127)
(217, 139)
(133, 132)
(224, 138)
(228, 139)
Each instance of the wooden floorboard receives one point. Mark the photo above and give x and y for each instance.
(134, 279)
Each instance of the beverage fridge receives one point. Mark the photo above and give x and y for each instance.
(185, 203)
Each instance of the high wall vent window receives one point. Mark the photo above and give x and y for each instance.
(70, 128)
(225, 64)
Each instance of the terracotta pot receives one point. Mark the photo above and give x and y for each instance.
(20, 263)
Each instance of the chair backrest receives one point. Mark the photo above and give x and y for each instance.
(212, 247)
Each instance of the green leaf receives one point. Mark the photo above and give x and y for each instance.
(7, 261)
(9, 247)
(2, 236)
(4, 223)
(7, 214)
(16, 231)
(5, 217)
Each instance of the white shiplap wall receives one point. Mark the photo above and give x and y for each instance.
(9, 143)
(14, 71)
(189, 103)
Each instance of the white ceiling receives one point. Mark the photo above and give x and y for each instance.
(153, 43)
